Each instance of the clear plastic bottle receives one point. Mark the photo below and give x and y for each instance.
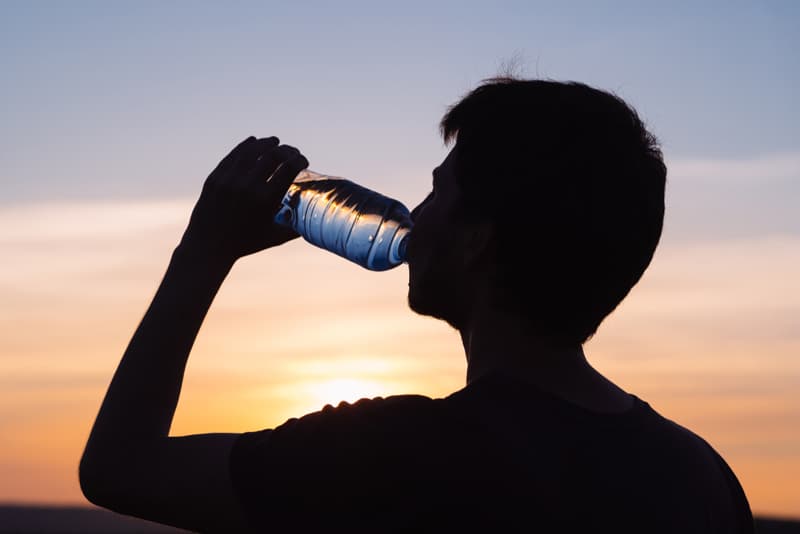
(347, 219)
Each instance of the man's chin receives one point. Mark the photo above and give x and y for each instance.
(425, 308)
(415, 305)
(420, 306)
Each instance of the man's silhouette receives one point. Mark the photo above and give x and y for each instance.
(543, 216)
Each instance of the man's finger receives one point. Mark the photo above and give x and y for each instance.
(292, 163)
(251, 155)
(229, 161)
(266, 164)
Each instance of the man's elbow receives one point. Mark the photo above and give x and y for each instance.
(89, 476)
(96, 477)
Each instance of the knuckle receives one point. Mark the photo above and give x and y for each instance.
(299, 162)
(288, 150)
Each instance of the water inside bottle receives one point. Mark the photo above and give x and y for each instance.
(347, 219)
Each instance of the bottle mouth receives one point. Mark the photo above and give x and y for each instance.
(399, 246)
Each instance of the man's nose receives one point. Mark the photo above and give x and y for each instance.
(415, 212)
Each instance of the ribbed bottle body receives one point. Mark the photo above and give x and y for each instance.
(347, 219)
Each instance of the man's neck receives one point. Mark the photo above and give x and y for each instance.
(497, 343)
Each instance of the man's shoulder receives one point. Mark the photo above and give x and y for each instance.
(372, 409)
(381, 438)
(363, 422)
(678, 438)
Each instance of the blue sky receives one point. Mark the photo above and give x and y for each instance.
(111, 100)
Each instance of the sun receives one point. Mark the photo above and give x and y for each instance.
(335, 390)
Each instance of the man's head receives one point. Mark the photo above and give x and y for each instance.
(552, 200)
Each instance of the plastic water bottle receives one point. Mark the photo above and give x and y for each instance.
(347, 219)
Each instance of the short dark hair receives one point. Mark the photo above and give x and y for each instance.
(574, 183)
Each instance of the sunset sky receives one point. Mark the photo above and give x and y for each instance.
(112, 115)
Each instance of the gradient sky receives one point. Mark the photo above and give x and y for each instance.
(112, 115)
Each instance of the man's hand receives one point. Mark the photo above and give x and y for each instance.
(234, 215)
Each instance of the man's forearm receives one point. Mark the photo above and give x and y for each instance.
(143, 394)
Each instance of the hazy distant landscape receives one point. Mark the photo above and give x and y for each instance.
(77, 520)
(85, 520)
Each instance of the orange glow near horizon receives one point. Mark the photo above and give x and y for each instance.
(708, 338)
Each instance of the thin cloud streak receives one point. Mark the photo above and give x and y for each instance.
(760, 169)
(71, 221)
(708, 200)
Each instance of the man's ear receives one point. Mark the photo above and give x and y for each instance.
(479, 242)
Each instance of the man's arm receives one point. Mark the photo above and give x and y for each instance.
(130, 464)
